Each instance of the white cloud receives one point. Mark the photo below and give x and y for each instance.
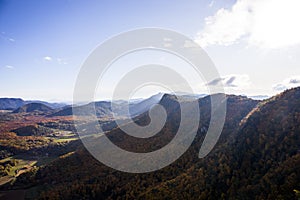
(263, 23)
(237, 81)
(167, 44)
(9, 67)
(61, 61)
(168, 39)
(4, 36)
(189, 44)
(48, 58)
(288, 83)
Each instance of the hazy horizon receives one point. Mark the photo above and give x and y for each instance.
(255, 97)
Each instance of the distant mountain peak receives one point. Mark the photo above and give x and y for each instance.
(10, 103)
(33, 107)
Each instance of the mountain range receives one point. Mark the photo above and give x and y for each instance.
(14, 103)
(256, 157)
(33, 107)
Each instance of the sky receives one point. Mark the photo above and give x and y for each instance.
(254, 44)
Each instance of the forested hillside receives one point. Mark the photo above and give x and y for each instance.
(256, 157)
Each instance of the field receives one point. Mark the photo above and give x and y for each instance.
(21, 154)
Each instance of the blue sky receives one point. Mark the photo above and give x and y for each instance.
(44, 43)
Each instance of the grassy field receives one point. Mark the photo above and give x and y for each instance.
(19, 164)
(23, 163)
(62, 140)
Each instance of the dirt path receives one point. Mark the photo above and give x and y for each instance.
(5, 179)
(24, 169)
